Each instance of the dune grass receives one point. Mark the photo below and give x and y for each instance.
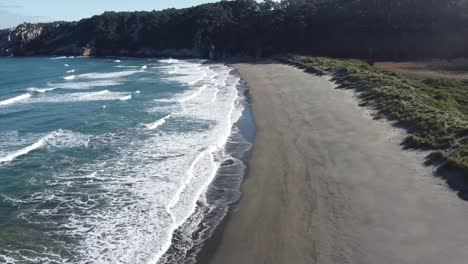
(435, 110)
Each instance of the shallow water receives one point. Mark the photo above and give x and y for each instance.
(111, 161)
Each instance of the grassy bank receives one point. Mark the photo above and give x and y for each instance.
(435, 110)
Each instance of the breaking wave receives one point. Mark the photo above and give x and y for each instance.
(59, 138)
(104, 95)
(15, 99)
(158, 123)
(140, 193)
(108, 75)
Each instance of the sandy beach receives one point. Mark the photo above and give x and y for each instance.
(328, 184)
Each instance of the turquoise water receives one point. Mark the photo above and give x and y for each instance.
(111, 160)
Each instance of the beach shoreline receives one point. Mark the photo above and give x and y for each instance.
(328, 184)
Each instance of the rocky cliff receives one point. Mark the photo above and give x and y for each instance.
(82, 39)
(39, 39)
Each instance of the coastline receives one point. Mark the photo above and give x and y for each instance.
(328, 184)
(190, 240)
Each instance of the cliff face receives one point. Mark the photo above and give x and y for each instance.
(75, 39)
(17, 39)
(38, 39)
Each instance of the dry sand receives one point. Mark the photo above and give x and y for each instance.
(328, 184)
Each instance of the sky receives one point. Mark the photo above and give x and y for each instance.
(15, 12)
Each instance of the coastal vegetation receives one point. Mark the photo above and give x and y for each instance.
(434, 110)
(366, 29)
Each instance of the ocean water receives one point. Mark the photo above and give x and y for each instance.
(117, 160)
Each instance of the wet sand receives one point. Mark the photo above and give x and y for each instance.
(328, 184)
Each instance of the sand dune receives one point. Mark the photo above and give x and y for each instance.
(328, 184)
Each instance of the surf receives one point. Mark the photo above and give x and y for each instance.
(57, 138)
(137, 167)
(108, 75)
(158, 123)
(15, 99)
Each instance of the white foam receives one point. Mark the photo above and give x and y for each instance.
(15, 99)
(66, 65)
(41, 90)
(59, 58)
(104, 95)
(195, 94)
(71, 71)
(158, 123)
(197, 76)
(74, 86)
(186, 165)
(124, 208)
(85, 85)
(170, 61)
(144, 67)
(125, 98)
(117, 61)
(203, 168)
(59, 138)
(107, 75)
(126, 66)
(71, 77)
(165, 100)
(137, 92)
(188, 75)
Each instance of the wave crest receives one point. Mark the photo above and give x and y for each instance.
(15, 99)
(60, 138)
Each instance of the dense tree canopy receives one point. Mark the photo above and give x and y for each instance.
(371, 29)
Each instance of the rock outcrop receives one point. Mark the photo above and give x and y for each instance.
(75, 39)
(38, 39)
(17, 39)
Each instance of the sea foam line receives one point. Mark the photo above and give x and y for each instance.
(125, 98)
(41, 90)
(195, 94)
(170, 61)
(108, 75)
(59, 138)
(104, 95)
(15, 99)
(210, 150)
(85, 85)
(23, 151)
(158, 123)
(73, 86)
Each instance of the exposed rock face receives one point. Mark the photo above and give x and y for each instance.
(24, 34)
(86, 52)
(16, 39)
(64, 39)
(39, 39)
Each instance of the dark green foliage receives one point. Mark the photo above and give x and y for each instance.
(434, 108)
(368, 29)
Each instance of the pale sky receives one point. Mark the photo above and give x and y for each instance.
(14, 12)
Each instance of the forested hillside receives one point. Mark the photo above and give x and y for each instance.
(368, 29)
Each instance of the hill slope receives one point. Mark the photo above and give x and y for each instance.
(346, 28)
